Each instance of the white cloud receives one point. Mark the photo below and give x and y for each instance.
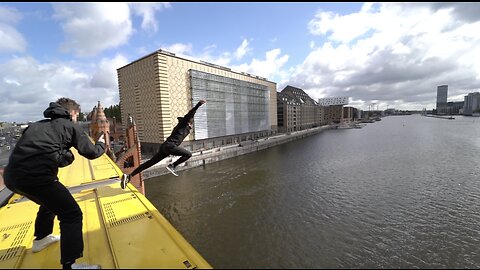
(11, 39)
(106, 74)
(9, 15)
(268, 68)
(93, 27)
(28, 86)
(147, 11)
(179, 48)
(208, 55)
(242, 50)
(392, 52)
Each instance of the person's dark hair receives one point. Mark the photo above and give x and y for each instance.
(69, 104)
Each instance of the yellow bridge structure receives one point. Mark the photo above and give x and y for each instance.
(121, 228)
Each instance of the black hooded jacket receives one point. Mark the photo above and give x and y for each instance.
(34, 160)
(182, 129)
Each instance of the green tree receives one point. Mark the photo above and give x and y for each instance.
(113, 111)
(82, 117)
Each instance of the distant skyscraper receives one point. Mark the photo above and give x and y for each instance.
(442, 93)
(471, 103)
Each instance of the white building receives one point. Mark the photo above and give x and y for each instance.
(333, 101)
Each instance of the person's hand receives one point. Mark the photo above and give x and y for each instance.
(101, 138)
(203, 101)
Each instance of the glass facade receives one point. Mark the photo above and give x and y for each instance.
(442, 93)
(233, 106)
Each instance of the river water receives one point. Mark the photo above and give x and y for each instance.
(403, 192)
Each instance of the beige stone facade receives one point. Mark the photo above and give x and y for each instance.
(333, 114)
(156, 89)
(297, 110)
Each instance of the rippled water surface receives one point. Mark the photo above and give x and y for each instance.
(403, 192)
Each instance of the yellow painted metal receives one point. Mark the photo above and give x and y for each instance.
(83, 171)
(121, 228)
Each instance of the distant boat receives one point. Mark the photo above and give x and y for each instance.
(441, 116)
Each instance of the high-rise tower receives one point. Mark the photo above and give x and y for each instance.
(442, 93)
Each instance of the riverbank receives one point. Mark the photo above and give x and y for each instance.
(1, 179)
(220, 153)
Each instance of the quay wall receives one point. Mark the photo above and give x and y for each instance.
(201, 158)
(1, 179)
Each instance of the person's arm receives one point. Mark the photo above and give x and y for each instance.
(192, 112)
(81, 141)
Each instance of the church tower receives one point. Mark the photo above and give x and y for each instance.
(130, 156)
(100, 123)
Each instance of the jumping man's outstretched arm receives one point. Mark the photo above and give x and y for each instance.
(191, 113)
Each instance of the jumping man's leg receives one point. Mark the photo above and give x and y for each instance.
(149, 163)
(154, 160)
(183, 153)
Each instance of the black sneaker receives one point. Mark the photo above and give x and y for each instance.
(125, 180)
(172, 169)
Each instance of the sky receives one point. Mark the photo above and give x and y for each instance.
(393, 55)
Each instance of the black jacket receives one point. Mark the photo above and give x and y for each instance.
(182, 129)
(34, 160)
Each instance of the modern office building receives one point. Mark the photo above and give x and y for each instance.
(162, 86)
(471, 103)
(442, 94)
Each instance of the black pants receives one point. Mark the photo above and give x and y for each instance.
(165, 150)
(55, 200)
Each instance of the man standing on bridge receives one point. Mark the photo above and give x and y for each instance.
(170, 147)
(32, 172)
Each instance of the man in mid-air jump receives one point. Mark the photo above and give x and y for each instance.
(171, 146)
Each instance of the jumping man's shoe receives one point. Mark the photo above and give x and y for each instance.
(85, 266)
(39, 245)
(172, 169)
(125, 180)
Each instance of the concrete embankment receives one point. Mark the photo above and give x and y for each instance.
(216, 154)
(1, 179)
